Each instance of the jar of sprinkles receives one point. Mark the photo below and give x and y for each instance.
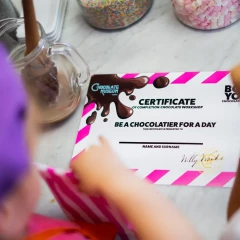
(207, 14)
(113, 14)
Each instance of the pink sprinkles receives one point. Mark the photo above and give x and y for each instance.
(207, 14)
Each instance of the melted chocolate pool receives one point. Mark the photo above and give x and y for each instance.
(105, 89)
(161, 82)
(91, 119)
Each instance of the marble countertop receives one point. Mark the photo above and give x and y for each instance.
(157, 43)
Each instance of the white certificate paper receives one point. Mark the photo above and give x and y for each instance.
(170, 128)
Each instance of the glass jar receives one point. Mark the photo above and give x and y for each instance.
(207, 15)
(113, 14)
(7, 10)
(53, 73)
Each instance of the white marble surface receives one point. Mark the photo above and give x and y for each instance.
(157, 43)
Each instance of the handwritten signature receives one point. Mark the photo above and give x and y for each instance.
(205, 159)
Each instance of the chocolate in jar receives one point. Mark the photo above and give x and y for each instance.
(41, 80)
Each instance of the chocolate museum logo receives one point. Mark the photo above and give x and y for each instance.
(105, 89)
(230, 94)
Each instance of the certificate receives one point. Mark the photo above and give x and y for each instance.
(172, 128)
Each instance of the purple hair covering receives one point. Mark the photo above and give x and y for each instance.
(13, 150)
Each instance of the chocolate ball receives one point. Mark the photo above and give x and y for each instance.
(161, 82)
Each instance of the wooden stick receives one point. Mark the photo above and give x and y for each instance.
(31, 27)
(234, 201)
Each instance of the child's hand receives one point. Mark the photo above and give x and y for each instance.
(153, 217)
(98, 168)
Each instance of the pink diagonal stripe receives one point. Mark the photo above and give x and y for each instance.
(83, 133)
(62, 203)
(222, 179)
(156, 175)
(184, 78)
(187, 178)
(216, 77)
(130, 75)
(88, 108)
(156, 75)
(75, 198)
(70, 175)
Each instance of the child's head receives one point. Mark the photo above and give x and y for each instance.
(19, 183)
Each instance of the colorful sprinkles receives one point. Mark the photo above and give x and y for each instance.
(113, 14)
(207, 14)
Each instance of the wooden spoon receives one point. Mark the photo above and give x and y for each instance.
(235, 74)
(31, 28)
(234, 201)
(40, 75)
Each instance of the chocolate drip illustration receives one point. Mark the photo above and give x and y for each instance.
(105, 119)
(132, 97)
(105, 89)
(161, 82)
(91, 119)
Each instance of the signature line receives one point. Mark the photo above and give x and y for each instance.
(170, 143)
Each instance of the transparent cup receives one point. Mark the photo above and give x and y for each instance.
(53, 73)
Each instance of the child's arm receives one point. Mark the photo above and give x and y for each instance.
(153, 216)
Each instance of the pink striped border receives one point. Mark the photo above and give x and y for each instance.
(129, 75)
(156, 175)
(84, 132)
(88, 109)
(151, 79)
(222, 179)
(185, 77)
(216, 77)
(187, 178)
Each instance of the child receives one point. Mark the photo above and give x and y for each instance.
(19, 183)
(101, 173)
